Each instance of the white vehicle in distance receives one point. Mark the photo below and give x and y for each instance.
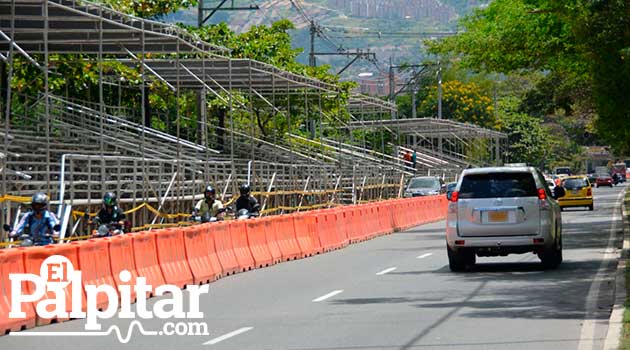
(503, 210)
(425, 186)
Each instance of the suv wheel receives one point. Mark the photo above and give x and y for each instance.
(552, 257)
(458, 260)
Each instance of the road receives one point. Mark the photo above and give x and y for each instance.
(396, 292)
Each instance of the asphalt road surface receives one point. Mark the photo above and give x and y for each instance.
(396, 292)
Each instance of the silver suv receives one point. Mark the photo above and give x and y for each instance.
(500, 211)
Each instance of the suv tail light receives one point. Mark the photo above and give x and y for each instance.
(542, 199)
(454, 196)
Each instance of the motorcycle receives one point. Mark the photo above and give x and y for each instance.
(244, 214)
(108, 230)
(195, 217)
(616, 179)
(27, 241)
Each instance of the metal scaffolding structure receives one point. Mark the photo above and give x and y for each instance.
(455, 145)
(75, 150)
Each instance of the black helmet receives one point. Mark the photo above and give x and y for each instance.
(39, 201)
(209, 192)
(244, 189)
(109, 199)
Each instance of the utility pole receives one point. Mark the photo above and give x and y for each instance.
(439, 77)
(414, 91)
(311, 54)
(392, 86)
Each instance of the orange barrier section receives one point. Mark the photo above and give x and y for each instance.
(198, 247)
(342, 227)
(145, 254)
(272, 239)
(33, 258)
(322, 222)
(306, 232)
(172, 257)
(11, 261)
(238, 232)
(121, 258)
(257, 240)
(94, 263)
(202, 253)
(285, 234)
(220, 232)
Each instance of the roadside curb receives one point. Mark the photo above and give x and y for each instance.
(615, 322)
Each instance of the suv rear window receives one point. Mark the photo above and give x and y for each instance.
(498, 185)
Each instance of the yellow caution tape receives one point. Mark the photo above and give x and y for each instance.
(17, 199)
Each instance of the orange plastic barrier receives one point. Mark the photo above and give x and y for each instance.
(11, 261)
(172, 257)
(145, 254)
(220, 232)
(33, 258)
(285, 234)
(342, 226)
(94, 263)
(306, 232)
(121, 258)
(199, 247)
(238, 232)
(272, 239)
(257, 241)
(323, 231)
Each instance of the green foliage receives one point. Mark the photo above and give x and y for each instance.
(464, 102)
(149, 8)
(529, 142)
(581, 46)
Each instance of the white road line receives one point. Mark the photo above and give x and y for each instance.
(386, 271)
(424, 256)
(228, 335)
(329, 295)
(587, 332)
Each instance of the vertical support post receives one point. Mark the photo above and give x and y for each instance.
(46, 95)
(250, 106)
(179, 145)
(231, 115)
(144, 104)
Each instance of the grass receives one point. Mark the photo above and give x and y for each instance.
(625, 334)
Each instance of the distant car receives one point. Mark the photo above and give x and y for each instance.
(424, 186)
(562, 171)
(503, 210)
(551, 184)
(450, 187)
(578, 193)
(604, 180)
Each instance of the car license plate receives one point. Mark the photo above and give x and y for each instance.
(498, 216)
(575, 191)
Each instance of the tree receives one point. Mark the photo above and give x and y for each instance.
(464, 102)
(583, 43)
(529, 142)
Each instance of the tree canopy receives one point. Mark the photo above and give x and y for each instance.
(582, 46)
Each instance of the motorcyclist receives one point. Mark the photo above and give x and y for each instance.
(247, 201)
(616, 178)
(110, 213)
(209, 206)
(39, 224)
